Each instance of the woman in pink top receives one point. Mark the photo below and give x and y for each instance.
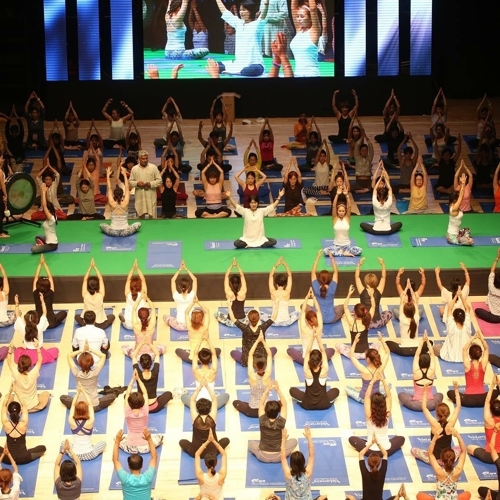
(465, 205)
(424, 369)
(491, 418)
(136, 418)
(475, 363)
(212, 177)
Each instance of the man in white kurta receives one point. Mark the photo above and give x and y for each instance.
(253, 223)
(145, 178)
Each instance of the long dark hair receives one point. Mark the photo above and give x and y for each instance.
(31, 330)
(409, 312)
(297, 464)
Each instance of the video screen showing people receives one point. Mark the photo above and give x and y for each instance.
(238, 39)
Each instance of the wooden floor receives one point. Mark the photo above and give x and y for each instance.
(168, 472)
(461, 120)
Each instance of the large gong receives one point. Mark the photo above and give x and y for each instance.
(21, 193)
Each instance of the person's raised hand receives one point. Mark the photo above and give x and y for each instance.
(213, 68)
(119, 436)
(307, 432)
(351, 290)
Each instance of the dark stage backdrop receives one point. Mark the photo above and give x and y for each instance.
(382, 54)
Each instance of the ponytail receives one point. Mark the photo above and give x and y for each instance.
(31, 330)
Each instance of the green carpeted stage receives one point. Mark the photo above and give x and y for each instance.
(210, 266)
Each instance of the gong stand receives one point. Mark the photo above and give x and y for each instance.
(11, 220)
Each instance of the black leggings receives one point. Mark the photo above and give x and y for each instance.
(368, 228)
(57, 319)
(494, 360)
(271, 242)
(487, 316)
(244, 408)
(395, 348)
(161, 402)
(482, 491)
(29, 456)
(472, 400)
(187, 446)
(103, 325)
(396, 443)
(184, 354)
(298, 395)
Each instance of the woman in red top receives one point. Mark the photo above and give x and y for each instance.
(491, 418)
(475, 363)
(496, 189)
(251, 186)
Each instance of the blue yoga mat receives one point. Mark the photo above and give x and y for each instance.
(187, 424)
(128, 372)
(25, 248)
(29, 473)
(403, 366)
(315, 419)
(297, 152)
(54, 335)
(177, 335)
(349, 370)
(441, 241)
(397, 469)
(115, 483)
(485, 472)
(241, 372)
(6, 334)
(121, 244)
(187, 475)
(340, 148)
(164, 255)
(36, 423)
(451, 369)
(189, 382)
(438, 320)
(468, 138)
(487, 206)
(357, 415)
(34, 153)
(47, 377)
(102, 379)
(288, 244)
(263, 475)
(413, 419)
(91, 472)
(494, 349)
(334, 330)
(470, 417)
(299, 369)
(362, 196)
(100, 425)
(125, 335)
(248, 424)
(327, 451)
(386, 241)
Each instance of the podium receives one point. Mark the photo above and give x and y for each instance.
(228, 101)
